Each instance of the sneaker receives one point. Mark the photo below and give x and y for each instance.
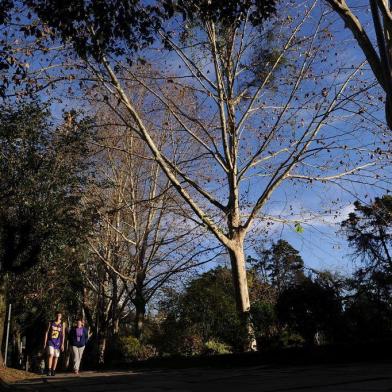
(49, 373)
(53, 372)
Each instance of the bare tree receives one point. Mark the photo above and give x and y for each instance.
(142, 238)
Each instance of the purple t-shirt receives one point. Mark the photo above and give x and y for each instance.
(79, 333)
(55, 335)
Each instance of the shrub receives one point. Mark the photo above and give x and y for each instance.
(191, 345)
(291, 339)
(132, 349)
(214, 347)
(263, 319)
(308, 308)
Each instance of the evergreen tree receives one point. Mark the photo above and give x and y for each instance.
(43, 171)
(281, 265)
(368, 231)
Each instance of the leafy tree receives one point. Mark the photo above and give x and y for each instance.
(222, 11)
(205, 311)
(208, 305)
(117, 24)
(368, 306)
(53, 284)
(367, 317)
(368, 231)
(281, 265)
(43, 169)
(331, 280)
(265, 322)
(41, 183)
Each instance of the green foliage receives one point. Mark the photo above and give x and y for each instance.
(226, 12)
(281, 265)
(208, 306)
(49, 286)
(368, 231)
(132, 349)
(214, 347)
(367, 317)
(287, 338)
(167, 338)
(264, 319)
(123, 26)
(118, 25)
(42, 175)
(369, 308)
(298, 228)
(203, 318)
(205, 311)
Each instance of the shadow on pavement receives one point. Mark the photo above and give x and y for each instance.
(336, 378)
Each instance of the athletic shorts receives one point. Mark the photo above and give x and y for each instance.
(53, 352)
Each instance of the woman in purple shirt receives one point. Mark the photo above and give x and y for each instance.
(78, 337)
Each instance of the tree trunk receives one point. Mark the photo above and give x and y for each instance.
(240, 282)
(102, 321)
(16, 347)
(3, 312)
(116, 326)
(101, 349)
(140, 311)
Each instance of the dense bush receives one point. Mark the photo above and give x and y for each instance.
(191, 344)
(264, 319)
(128, 348)
(309, 308)
(368, 318)
(208, 306)
(214, 347)
(203, 318)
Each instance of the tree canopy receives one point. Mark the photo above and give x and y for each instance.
(43, 172)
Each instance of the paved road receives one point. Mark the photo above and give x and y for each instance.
(337, 378)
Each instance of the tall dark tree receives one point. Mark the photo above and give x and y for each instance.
(42, 176)
(281, 265)
(369, 232)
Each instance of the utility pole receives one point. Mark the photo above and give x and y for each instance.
(7, 336)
